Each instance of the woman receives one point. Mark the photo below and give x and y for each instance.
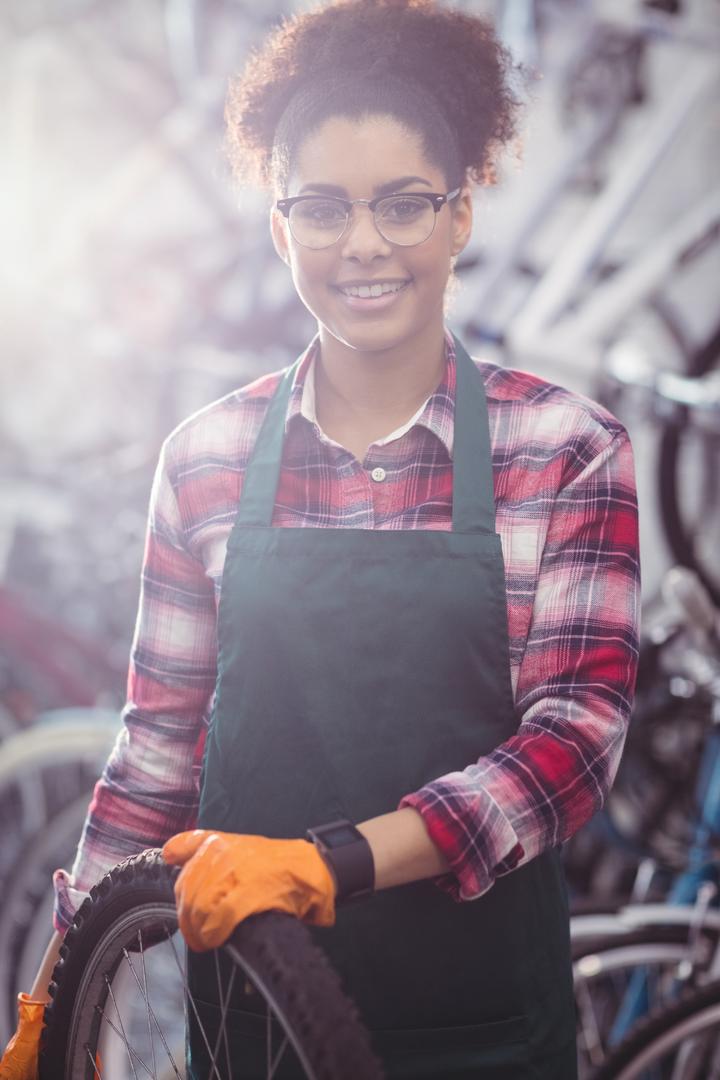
(427, 576)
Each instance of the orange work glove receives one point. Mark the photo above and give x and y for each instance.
(226, 877)
(20, 1060)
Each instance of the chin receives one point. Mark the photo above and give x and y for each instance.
(369, 340)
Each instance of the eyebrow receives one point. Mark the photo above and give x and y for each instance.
(380, 189)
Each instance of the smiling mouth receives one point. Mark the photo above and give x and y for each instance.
(372, 292)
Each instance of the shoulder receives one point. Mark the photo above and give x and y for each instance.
(545, 423)
(542, 400)
(223, 433)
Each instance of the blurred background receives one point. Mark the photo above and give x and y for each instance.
(138, 285)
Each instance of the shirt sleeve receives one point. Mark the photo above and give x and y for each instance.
(148, 791)
(574, 694)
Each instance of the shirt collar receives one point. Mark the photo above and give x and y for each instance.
(436, 414)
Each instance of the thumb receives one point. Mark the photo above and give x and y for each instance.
(182, 846)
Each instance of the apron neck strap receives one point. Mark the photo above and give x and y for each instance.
(257, 499)
(473, 500)
(473, 496)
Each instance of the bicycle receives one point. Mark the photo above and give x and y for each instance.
(46, 775)
(647, 956)
(681, 1042)
(121, 998)
(28, 903)
(629, 961)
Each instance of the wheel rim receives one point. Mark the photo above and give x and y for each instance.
(121, 1027)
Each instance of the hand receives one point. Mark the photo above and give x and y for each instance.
(20, 1060)
(226, 877)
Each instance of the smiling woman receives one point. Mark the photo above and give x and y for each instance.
(400, 583)
(370, 293)
(356, 103)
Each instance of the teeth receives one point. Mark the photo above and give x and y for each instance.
(367, 291)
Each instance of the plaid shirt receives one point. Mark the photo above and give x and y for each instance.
(566, 514)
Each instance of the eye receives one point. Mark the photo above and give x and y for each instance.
(402, 209)
(319, 213)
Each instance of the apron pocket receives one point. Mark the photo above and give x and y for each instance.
(244, 1046)
(494, 1051)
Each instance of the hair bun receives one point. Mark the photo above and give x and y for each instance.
(455, 58)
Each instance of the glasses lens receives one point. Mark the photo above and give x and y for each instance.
(317, 223)
(405, 219)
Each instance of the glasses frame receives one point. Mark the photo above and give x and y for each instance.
(436, 199)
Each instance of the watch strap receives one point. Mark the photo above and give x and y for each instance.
(351, 861)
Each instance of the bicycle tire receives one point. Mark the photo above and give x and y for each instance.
(42, 770)
(273, 951)
(28, 894)
(630, 937)
(661, 1031)
(613, 974)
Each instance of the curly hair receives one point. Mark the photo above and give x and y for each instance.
(440, 72)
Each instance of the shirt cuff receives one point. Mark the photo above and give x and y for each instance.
(67, 900)
(475, 837)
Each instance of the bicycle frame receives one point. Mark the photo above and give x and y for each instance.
(547, 329)
(695, 888)
(555, 291)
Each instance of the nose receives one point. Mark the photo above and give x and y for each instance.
(361, 239)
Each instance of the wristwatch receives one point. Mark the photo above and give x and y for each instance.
(349, 856)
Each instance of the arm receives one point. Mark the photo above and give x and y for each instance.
(402, 848)
(39, 991)
(573, 700)
(147, 790)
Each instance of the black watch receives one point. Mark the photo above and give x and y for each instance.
(349, 856)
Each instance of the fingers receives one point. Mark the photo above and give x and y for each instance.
(209, 930)
(19, 1063)
(201, 884)
(226, 877)
(182, 846)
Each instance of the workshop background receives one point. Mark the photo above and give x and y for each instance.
(137, 285)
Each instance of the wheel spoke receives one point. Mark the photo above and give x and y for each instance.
(273, 1065)
(161, 1033)
(268, 1033)
(224, 1002)
(590, 1027)
(150, 1034)
(129, 1049)
(95, 1062)
(189, 997)
(692, 1059)
(124, 991)
(121, 1035)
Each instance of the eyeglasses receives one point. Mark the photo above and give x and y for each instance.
(318, 221)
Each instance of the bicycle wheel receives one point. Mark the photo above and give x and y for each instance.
(121, 1003)
(681, 1042)
(618, 978)
(43, 769)
(26, 913)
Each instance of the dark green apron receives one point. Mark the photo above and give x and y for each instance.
(354, 666)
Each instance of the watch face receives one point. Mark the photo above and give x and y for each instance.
(343, 834)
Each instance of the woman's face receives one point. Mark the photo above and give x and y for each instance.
(358, 159)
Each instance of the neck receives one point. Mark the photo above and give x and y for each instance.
(376, 388)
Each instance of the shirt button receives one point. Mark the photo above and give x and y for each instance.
(378, 474)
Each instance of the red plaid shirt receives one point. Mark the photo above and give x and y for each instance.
(566, 513)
